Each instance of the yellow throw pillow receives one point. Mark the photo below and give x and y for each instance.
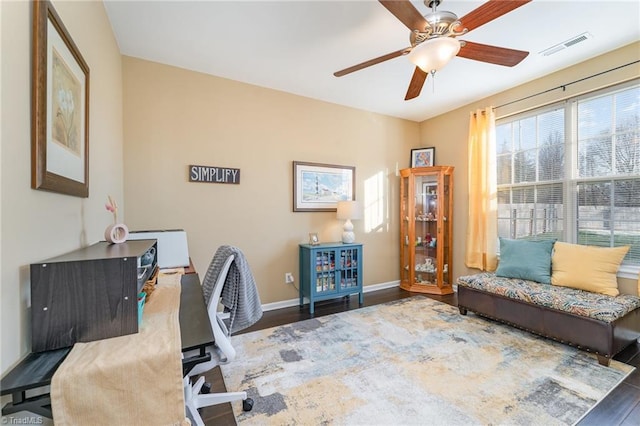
(587, 267)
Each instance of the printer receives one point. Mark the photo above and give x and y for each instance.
(173, 251)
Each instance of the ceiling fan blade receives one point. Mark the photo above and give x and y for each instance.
(417, 81)
(406, 13)
(489, 11)
(372, 62)
(492, 54)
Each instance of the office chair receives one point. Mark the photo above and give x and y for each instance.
(221, 352)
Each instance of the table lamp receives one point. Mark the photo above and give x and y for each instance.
(348, 210)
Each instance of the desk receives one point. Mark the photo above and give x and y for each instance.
(37, 369)
(195, 327)
(190, 269)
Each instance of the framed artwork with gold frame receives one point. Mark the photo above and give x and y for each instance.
(60, 107)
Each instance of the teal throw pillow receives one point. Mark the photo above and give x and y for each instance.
(527, 260)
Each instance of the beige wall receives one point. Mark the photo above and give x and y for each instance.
(38, 224)
(449, 132)
(174, 117)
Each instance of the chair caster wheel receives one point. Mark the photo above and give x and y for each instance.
(206, 388)
(247, 404)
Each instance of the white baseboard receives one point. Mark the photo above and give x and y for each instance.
(295, 302)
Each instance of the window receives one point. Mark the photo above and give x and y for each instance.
(571, 171)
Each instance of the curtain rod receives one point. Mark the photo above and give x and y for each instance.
(564, 86)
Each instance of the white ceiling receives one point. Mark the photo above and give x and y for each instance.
(296, 46)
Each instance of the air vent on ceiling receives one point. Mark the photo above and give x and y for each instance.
(568, 43)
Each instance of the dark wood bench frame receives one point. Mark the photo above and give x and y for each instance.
(602, 338)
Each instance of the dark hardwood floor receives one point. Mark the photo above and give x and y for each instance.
(620, 407)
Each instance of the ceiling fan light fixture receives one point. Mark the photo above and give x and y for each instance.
(443, 23)
(433, 54)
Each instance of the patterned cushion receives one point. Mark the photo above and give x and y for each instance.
(578, 302)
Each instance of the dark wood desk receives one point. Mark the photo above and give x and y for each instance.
(190, 269)
(195, 327)
(36, 369)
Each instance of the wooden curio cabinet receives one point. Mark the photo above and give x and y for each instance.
(426, 225)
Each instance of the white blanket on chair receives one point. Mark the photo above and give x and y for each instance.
(240, 293)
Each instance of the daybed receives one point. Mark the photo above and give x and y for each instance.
(599, 323)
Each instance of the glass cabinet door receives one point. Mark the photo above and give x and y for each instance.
(325, 271)
(405, 238)
(447, 250)
(426, 226)
(348, 268)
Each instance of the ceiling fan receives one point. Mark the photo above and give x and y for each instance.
(434, 39)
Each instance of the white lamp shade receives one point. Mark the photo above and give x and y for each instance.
(349, 210)
(435, 53)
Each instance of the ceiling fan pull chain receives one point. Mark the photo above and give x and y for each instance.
(433, 81)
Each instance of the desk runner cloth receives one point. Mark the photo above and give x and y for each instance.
(127, 380)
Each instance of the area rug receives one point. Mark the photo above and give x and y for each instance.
(413, 361)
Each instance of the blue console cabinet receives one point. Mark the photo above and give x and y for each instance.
(330, 270)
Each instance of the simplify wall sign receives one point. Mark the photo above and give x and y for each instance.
(212, 174)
